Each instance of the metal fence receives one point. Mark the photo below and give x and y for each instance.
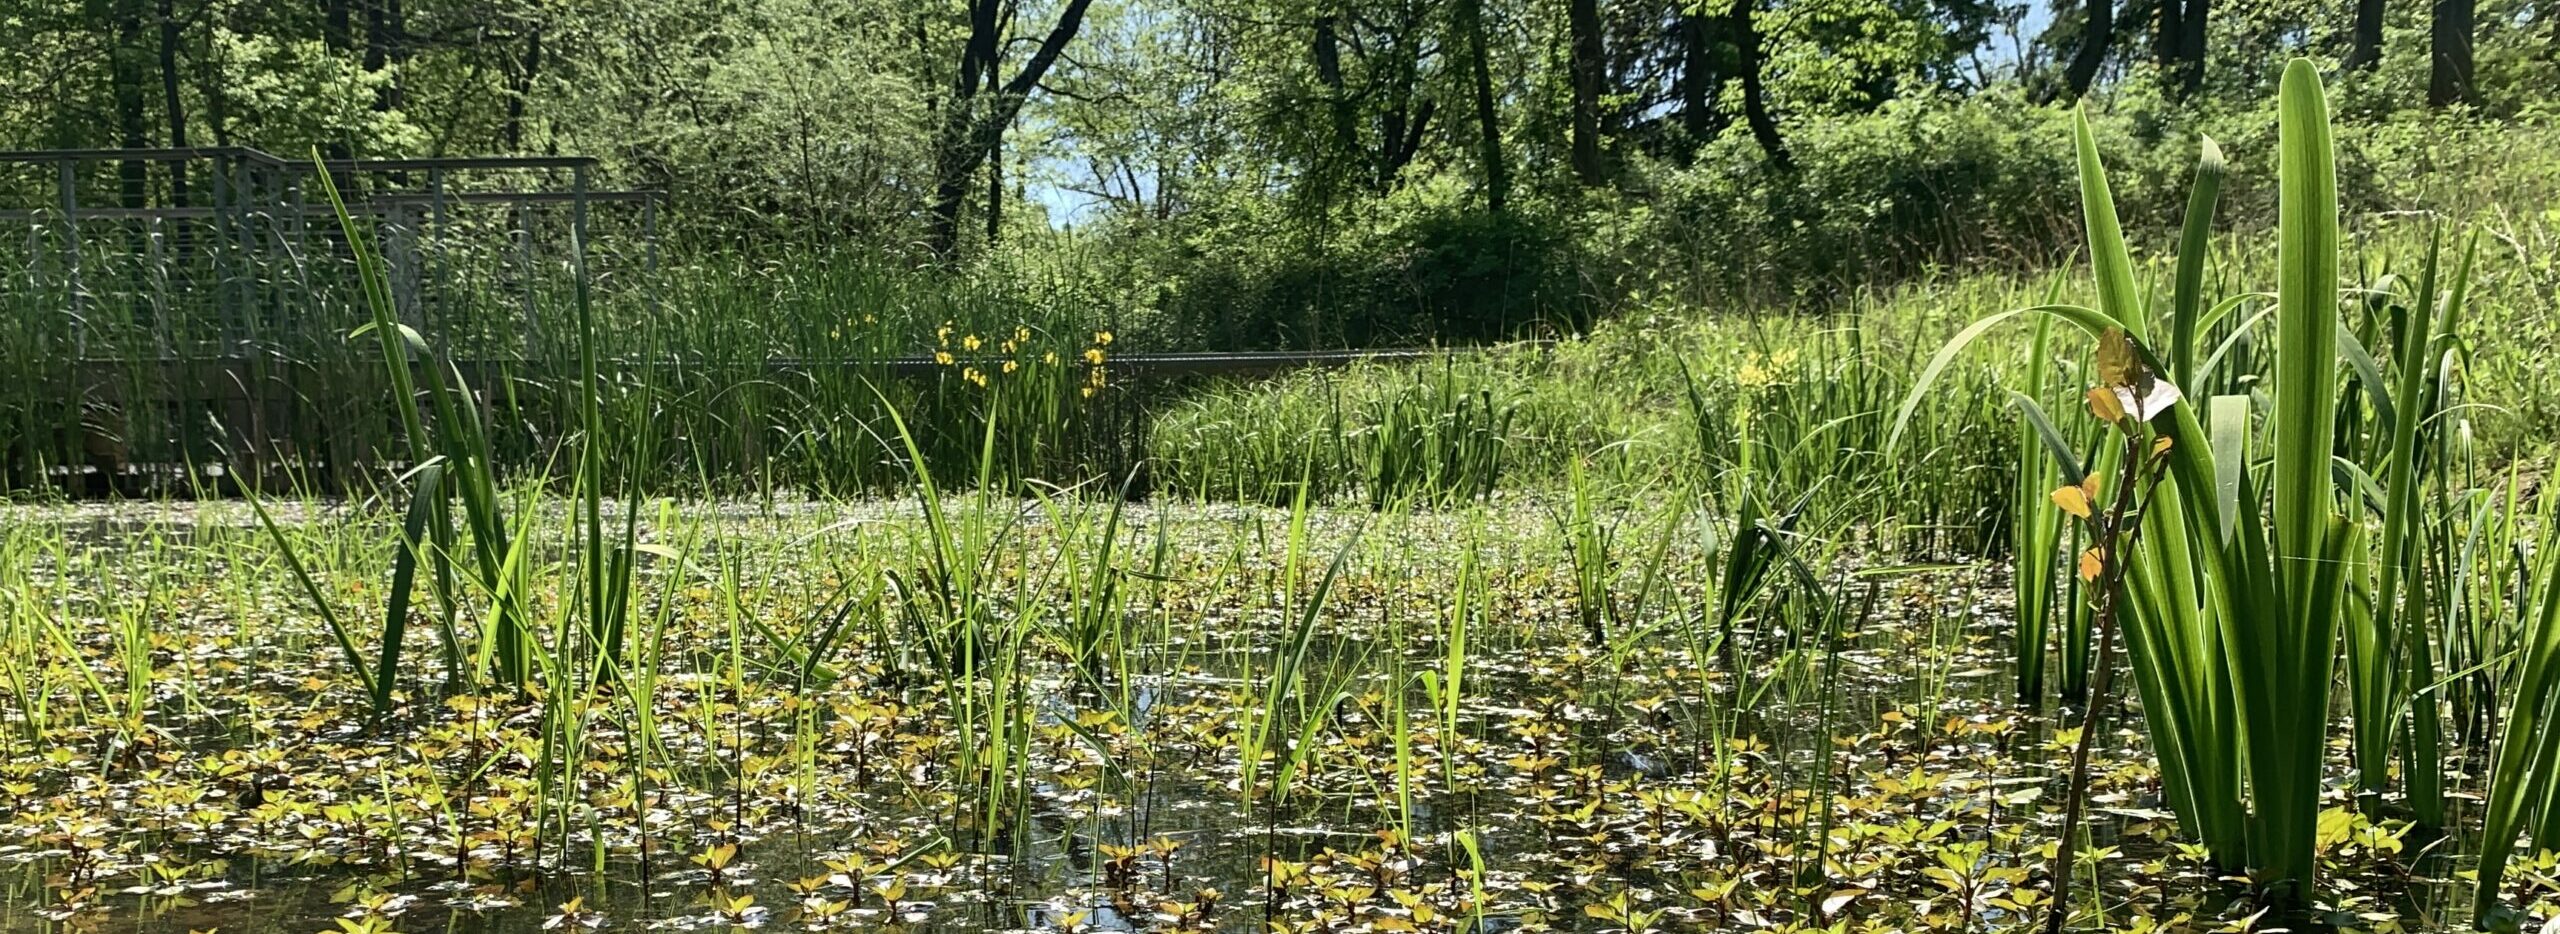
(234, 252)
(171, 306)
(174, 313)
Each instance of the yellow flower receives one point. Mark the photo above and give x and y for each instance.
(970, 342)
(1762, 371)
(1050, 358)
(1021, 335)
(942, 357)
(1088, 392)
(1010, 346)
(1010, 366)
(971, 374)
(1102, 338)
(869, 318)
(942, 335)
(1093, 355)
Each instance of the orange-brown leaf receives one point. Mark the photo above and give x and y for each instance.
(2104, 404)
(2072, 501)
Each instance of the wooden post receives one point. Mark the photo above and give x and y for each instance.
(434, 232)
(68, 180)
(235, 327)
(649, 238)
(578, 221)
(524, 279)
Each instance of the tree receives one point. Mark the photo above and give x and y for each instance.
(2177, 43)
(386, 51)
(1377, 89)
(1755, 91)
(521, 72)
(2449, 72)
(2193, 30)
(173, 105)
(132, 120)
(2365, 50)
(2097, 32)
(1497, 182)
(979, 109)
(1148, 118)
(1699, 77)
(1587, 63)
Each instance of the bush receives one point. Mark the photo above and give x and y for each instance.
(1425, 265)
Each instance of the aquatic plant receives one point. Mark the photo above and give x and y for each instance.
(2235, 613)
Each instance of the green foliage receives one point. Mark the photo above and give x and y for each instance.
(1286, 173)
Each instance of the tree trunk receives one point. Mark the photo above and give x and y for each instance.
(2168, 26)
(396, 36)
(2193, 29)
(2365, 51)
(2449, 76)
(2097, 32)
(2177, 45)
(1698, 78)
(969, 130)
(133, 176)
(1327, 51)
(1401, 140)
(1497, 176)
(520, 90)
(337, 29)
(217, 103)
(170, 101)
(995, 191)
(1587, 65)
(1755, 93)
(385, 47)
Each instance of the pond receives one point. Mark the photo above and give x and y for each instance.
(1055, 715)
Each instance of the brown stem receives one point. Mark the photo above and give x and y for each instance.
(2113, 541)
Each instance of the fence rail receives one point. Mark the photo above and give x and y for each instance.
(1145, 363)
(139, 427)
